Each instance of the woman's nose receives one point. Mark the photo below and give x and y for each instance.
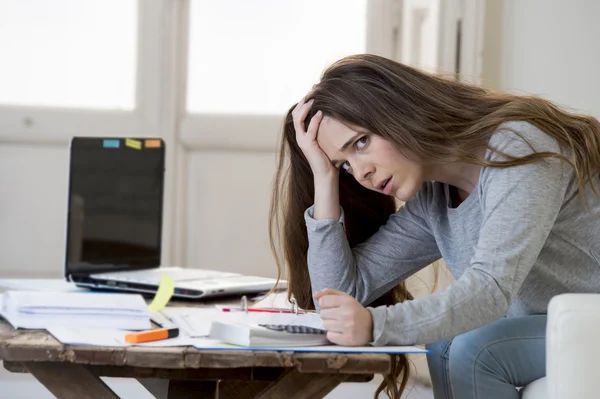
(363, 170)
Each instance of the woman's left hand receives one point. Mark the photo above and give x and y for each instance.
(347, 322)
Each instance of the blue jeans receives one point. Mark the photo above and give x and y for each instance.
(490, 362)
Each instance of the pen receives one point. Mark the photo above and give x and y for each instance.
(152, 335)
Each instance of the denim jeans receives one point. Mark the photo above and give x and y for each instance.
(490, 362)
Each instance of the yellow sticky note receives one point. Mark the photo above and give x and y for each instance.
(166, 288)
(135, 144)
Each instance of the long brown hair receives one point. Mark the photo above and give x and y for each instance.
(436, 119)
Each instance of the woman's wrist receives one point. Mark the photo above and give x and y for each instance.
(327, 197)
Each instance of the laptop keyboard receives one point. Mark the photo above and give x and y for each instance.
(154, 276)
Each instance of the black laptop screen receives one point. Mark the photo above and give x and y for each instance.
(115, 204)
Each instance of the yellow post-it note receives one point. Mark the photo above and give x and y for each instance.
(166, 288)
(135, 144)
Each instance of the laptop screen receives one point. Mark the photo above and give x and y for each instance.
(115, 202)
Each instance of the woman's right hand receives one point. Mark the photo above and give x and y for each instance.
(307, 140)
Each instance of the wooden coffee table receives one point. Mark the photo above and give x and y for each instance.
(182, 372)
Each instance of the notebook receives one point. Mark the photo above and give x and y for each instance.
(43, 310)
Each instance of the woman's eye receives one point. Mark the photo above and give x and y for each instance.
(345, 166)
(362, 142)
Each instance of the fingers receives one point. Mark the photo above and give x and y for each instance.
(313, 126)
(330, 298)
(299, 115)
(327, 314)
(342, 339)
(332, 301)
(335, 337)
(327, 291)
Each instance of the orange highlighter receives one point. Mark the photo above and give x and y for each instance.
(152, 335)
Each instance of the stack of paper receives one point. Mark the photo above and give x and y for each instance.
(42, 310)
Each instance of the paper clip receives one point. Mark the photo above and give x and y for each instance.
(294, 306)
(244, 304)
(295, 309)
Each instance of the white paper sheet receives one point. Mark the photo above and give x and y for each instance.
(194, 322)
(112, 337)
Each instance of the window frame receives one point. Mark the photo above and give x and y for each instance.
(200, 131)
(160, 105)
(56, 125)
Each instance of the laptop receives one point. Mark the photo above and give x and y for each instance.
(114, 223)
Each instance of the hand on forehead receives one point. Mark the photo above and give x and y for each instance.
(332, 135)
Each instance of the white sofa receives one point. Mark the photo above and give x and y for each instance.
(572, 350)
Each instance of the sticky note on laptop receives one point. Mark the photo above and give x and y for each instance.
(165, 291)
(135, 144)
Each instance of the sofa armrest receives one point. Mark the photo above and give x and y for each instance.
(573, 346)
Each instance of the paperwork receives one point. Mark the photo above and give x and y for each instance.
(116, 338)
(196, 322)
(103, 319)
(39, 310)
(112, 337)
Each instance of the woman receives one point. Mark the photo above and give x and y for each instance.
(503, 187)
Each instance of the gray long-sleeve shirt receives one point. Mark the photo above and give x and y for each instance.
(520, 237)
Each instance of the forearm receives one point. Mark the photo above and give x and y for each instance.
(327, 197)
(401, 247)
(331, 263)
(471, 302)
(329, 255)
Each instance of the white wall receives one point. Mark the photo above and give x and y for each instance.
(229, 193)
(549, 48)
(33, 187)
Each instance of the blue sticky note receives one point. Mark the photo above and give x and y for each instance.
(111, 143)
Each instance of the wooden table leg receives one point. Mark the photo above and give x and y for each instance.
(297, 385)
(224, 389)
(176, 389)
(70, 381)
(293, 385)
(241, 389)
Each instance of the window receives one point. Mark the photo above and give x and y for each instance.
(261, 56)
(68, 53)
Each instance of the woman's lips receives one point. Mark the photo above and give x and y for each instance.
(387, 189)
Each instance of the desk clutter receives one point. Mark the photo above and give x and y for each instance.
(41, 310)
(123, 320)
